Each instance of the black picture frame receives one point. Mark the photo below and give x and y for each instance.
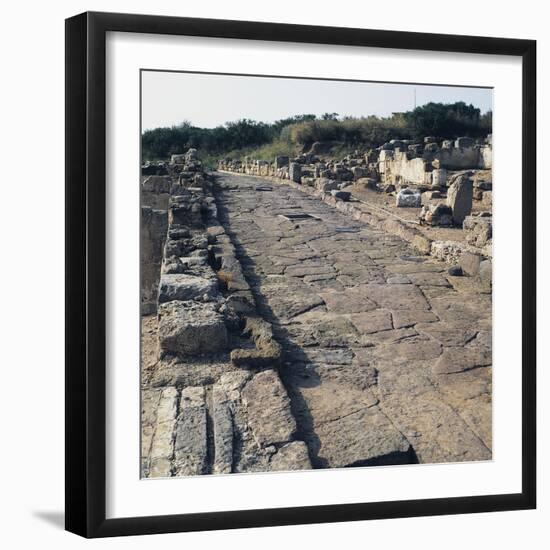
(86, 275)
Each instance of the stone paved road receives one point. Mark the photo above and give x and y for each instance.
(386, 358)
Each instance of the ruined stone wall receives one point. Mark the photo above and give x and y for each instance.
(392, 169)
(214, 402)
(416, 166)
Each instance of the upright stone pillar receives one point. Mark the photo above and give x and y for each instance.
(439, 177)
(459, 198)
(295, 171)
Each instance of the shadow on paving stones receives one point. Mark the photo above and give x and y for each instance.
(298, 406)
(296, 371)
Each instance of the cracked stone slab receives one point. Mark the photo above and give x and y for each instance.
(349, 301)
(407, 318)
(190, 446)
(222, 418)
(448, 333)
(436, 431)
(380, 442)
(372, 321)
(398, 296)
(455, 360)
(162, 446)
(268, 409)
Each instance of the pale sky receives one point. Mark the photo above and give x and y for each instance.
(207, 101)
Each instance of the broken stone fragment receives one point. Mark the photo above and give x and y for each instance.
(436, 215)
(267, 352)
(469, 263)
(408, 198)
(191, 328)
(342, 195)
(479, 230)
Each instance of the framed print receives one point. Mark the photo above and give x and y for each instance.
(300, 275)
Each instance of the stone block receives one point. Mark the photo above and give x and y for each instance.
(469, 262)
(295, 172)
(191, 328)
(408, 198)
(281, 161)
(439, 177)
(464, 142)
(341, 195)
(459, 198)
(181, 286)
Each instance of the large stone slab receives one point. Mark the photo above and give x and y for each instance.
(162, 447)
(190, 447)
(349, 301)
(268, 409)
(398, 296)
(364, 438)
(454, 360)
(372, 321)
(222, 417)
(408, 318)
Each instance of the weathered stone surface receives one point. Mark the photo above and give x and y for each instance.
(267, 352)
(396, 296)
(480, 230)
(350, 301)
(181, 286)
(470, 262)
(292, 456)
(448, 333)
(342, 195)
(379, 443)
(295, 172)
(190, 328)
(409, 317)
(268, 409)
(366, 327)
(459, 198)
(455, 360)
(372, 321)
(190, 447)
(486, 273)
(408, 198)
(222, 418)
(162, 446)
(437, 215)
